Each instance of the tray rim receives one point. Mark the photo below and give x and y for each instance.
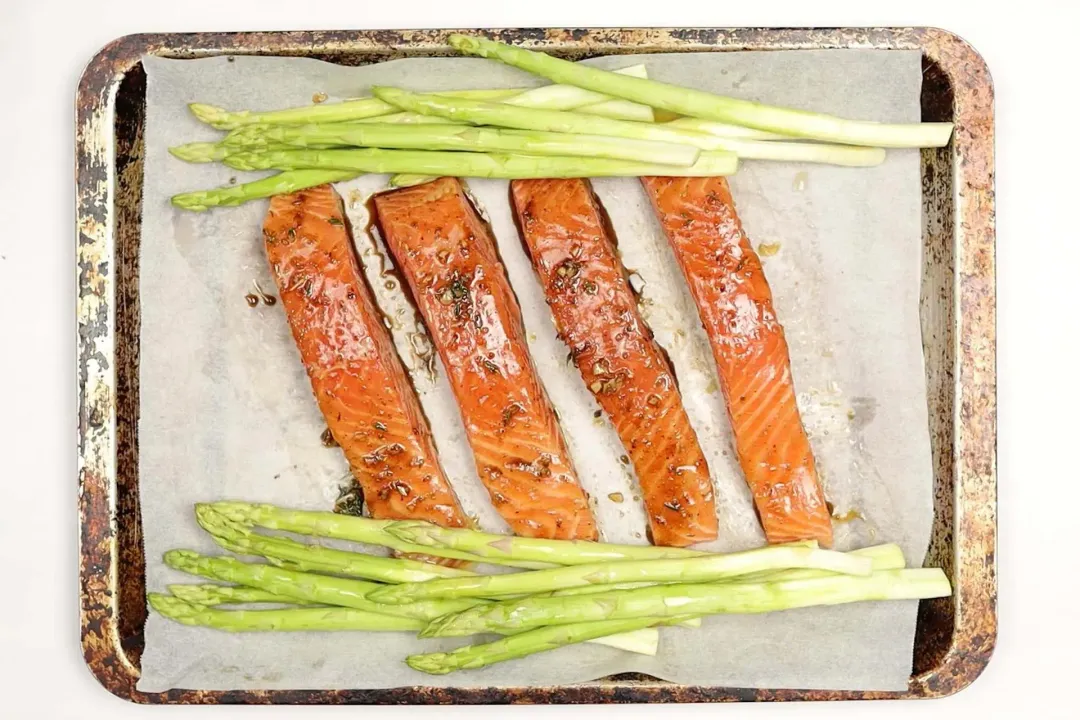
(975, 439)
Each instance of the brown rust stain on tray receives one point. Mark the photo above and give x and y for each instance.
(955, 636)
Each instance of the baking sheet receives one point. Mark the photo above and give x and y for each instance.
(227, 412)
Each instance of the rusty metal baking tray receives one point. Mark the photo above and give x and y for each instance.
(955, 636)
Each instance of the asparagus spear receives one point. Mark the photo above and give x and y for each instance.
(325, 112)
(292, 619)
(315, 558)
(499, 114)
(209, 595)
(473, 164)
(691, 600)
(498, 547)
(280, 184)
(522, 644)
(304, 586)
(478, 112)
(201, 152)
(700, 104)
(642, 642)
(615, 109)
(360, 108)
(568, 97)
(711, 127)
(882, 557)
(405, 118)
(343, 527)
(191, 602)
(460, 137)
(683, 570)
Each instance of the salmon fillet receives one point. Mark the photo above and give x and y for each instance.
(358, 379)
(735, 303)
(449, 260)
(596, 314)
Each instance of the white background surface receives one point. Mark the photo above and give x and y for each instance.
(43, 49)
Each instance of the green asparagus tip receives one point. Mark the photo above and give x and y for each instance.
(243, 161)
(441, 626)
(195, 594)
(180, 559)
(167, 605)
(199, 152)
(238, 512)
(211, 521)
(205, 513)
(195, 201)
(431, 663)
(211, 115)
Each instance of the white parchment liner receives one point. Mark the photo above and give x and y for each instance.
(227, 410)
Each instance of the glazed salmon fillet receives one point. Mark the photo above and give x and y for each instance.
(358, 379)
(735, 304)
(596, 314)
(449, 260)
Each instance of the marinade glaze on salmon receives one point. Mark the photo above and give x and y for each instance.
(596, 314)
(449, 259)
(358, 379)
(735, 304)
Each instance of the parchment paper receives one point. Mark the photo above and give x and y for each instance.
(227, 410)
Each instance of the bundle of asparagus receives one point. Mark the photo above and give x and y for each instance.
(565, 592)
(591, 123)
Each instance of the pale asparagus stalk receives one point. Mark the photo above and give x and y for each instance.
(238, 538)
(322, 589)
(692, 600)
(458, 137)
(475, 164)
(644, 641)
(314, 523)
(279, 184)
(291, 619)
(361, 108)
(480, 112)
(678, 570)
(522, 644)
(697, 103)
